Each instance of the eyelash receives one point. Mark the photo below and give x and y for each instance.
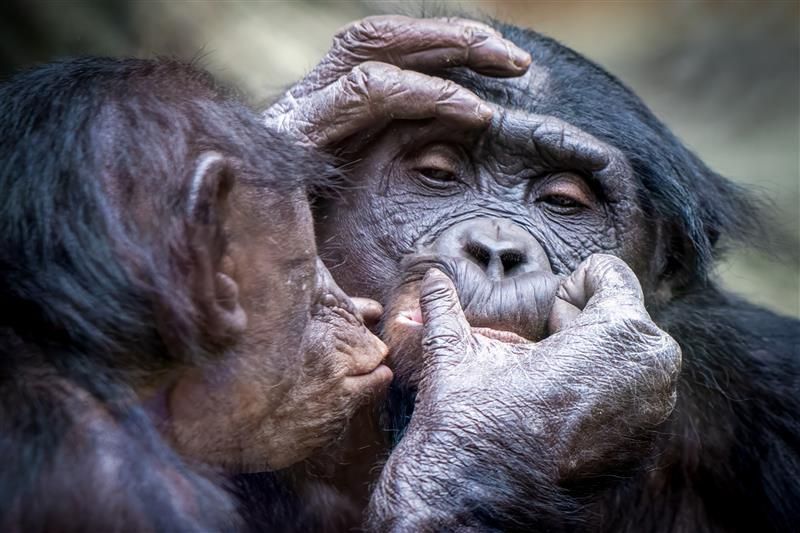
(561, 201)
(435, 174)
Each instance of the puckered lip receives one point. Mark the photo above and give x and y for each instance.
(381, 370)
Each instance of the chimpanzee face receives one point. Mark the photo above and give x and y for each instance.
(503, 210)
(300, 359)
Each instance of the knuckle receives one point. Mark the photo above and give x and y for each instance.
(449, 89)
(360, 31)
(359, 80)
(434, 293)
(367, 78)
(627, 324)
(371, 33)
(670, 356)
(602, 266)
(439, 342)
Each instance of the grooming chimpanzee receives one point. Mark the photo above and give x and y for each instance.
(567, 432)
(163, 314)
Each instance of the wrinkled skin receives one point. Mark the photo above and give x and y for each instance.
(373, 74)
(513, 309)
(568, 401)
(419, 192)
(570, 164)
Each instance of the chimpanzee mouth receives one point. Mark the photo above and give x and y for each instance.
(412, 318)
(512, 309)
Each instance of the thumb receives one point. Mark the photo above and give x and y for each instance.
(445, 328)
(602, 285)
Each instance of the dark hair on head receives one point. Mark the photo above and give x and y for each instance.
(104, 275)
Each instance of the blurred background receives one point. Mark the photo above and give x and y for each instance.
(725, 76)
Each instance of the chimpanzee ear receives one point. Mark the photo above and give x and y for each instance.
(676, 258)
(216, 290)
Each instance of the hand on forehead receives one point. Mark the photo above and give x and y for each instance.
(374, 74)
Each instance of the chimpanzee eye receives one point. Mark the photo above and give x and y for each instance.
(437, 174)
(564, 193)
(437, 165)
(557, 200)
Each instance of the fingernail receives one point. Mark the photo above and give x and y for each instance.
(434, 274)
(520, 58)
(480, 36)
(484, 112)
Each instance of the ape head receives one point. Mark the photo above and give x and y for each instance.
(158, 251)
(572, 164)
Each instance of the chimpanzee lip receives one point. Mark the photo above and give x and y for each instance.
(413, 318)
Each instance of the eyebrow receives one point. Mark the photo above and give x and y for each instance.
(544, 137)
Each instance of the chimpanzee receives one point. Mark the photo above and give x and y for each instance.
(164, 317)
(554, 412)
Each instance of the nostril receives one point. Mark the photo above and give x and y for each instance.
(479, 253)
(511, 259)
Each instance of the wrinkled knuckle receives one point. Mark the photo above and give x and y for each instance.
(605, 259)
(441, 342)
(670, 357)
(359, 80)
(612, 270)
(366, 30)
(468, 35)
(449, 89)
(437, 291)
(629, 325)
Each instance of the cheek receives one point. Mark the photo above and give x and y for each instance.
(361, 240)
(624, 233)
(277, 288)
(640, 250)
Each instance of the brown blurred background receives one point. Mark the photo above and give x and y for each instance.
(724, 75)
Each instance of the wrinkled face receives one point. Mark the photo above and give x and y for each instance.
(503, 211)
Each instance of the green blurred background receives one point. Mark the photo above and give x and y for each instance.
(725, 76)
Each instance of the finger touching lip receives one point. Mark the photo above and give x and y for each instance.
(375, 381)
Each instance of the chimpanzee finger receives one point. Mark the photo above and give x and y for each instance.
(561, 315)
(372, 94)
(420, 44)
(429, 44)
(603, 282)
(369, 384)
(446, 332)
(369, 310)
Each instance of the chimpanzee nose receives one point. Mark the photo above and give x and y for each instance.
(500, 247)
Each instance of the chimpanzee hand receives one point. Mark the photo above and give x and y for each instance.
(498, 423)
(372, 74)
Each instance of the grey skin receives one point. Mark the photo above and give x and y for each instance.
(571, 400)
(432, 164)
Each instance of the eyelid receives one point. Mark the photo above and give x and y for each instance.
(438, 156)
(568, 185)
